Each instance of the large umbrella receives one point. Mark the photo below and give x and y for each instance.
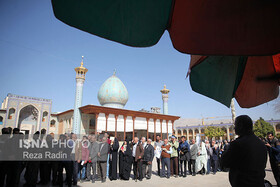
(245, 29)
(203, 27)
(225, 77)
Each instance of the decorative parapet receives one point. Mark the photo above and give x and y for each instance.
(29, 98)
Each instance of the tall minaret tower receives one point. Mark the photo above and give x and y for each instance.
(80, 79)
(165, 92)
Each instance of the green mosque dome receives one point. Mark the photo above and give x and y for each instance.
(113, 93)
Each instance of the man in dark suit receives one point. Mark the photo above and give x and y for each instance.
(148, 159)
(102, 156)
(273, 147)
(215, 156)
(246, 156)
(184, 152)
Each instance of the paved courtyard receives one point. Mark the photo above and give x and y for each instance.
(218, 180)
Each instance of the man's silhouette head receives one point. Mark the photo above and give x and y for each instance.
(243, 125)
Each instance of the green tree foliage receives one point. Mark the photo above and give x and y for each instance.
(215, 132)
(261, 128)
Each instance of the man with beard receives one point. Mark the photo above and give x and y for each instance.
(273, 147)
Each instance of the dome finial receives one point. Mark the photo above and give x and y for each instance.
(82, 63)
(164, 90)
(114, 72)
(81, 70)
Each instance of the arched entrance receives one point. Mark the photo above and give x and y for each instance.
(179, 133)
(191, 134)
(28, 117)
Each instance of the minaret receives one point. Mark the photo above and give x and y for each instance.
(165, 92)
(80, 79)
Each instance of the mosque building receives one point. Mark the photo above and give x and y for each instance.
(31, 114)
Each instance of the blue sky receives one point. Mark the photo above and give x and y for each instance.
(38, 54)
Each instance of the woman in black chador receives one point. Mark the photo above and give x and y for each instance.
(113, 160)
(125, 156)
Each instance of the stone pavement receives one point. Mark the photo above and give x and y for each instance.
(218, 180)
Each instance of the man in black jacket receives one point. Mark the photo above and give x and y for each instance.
(184, 153)
(273, 147)
(148, 159)
(246, 157)
(215, 157)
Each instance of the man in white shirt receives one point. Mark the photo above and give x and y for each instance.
(134, 146)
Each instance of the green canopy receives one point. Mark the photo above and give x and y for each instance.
(218, 77)
(131, 22)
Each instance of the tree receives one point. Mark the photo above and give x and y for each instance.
(261, 128)
(215, 132)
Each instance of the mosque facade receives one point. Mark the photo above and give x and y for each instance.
(32, 114)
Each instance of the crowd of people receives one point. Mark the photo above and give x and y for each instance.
(97, 158)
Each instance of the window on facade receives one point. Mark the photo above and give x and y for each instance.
(45, 115)
(1, 120)
(179, 132)
(52, 123)
(92, 123)
(11, 113)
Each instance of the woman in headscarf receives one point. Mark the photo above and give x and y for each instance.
(125, 156)
(113, 159)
